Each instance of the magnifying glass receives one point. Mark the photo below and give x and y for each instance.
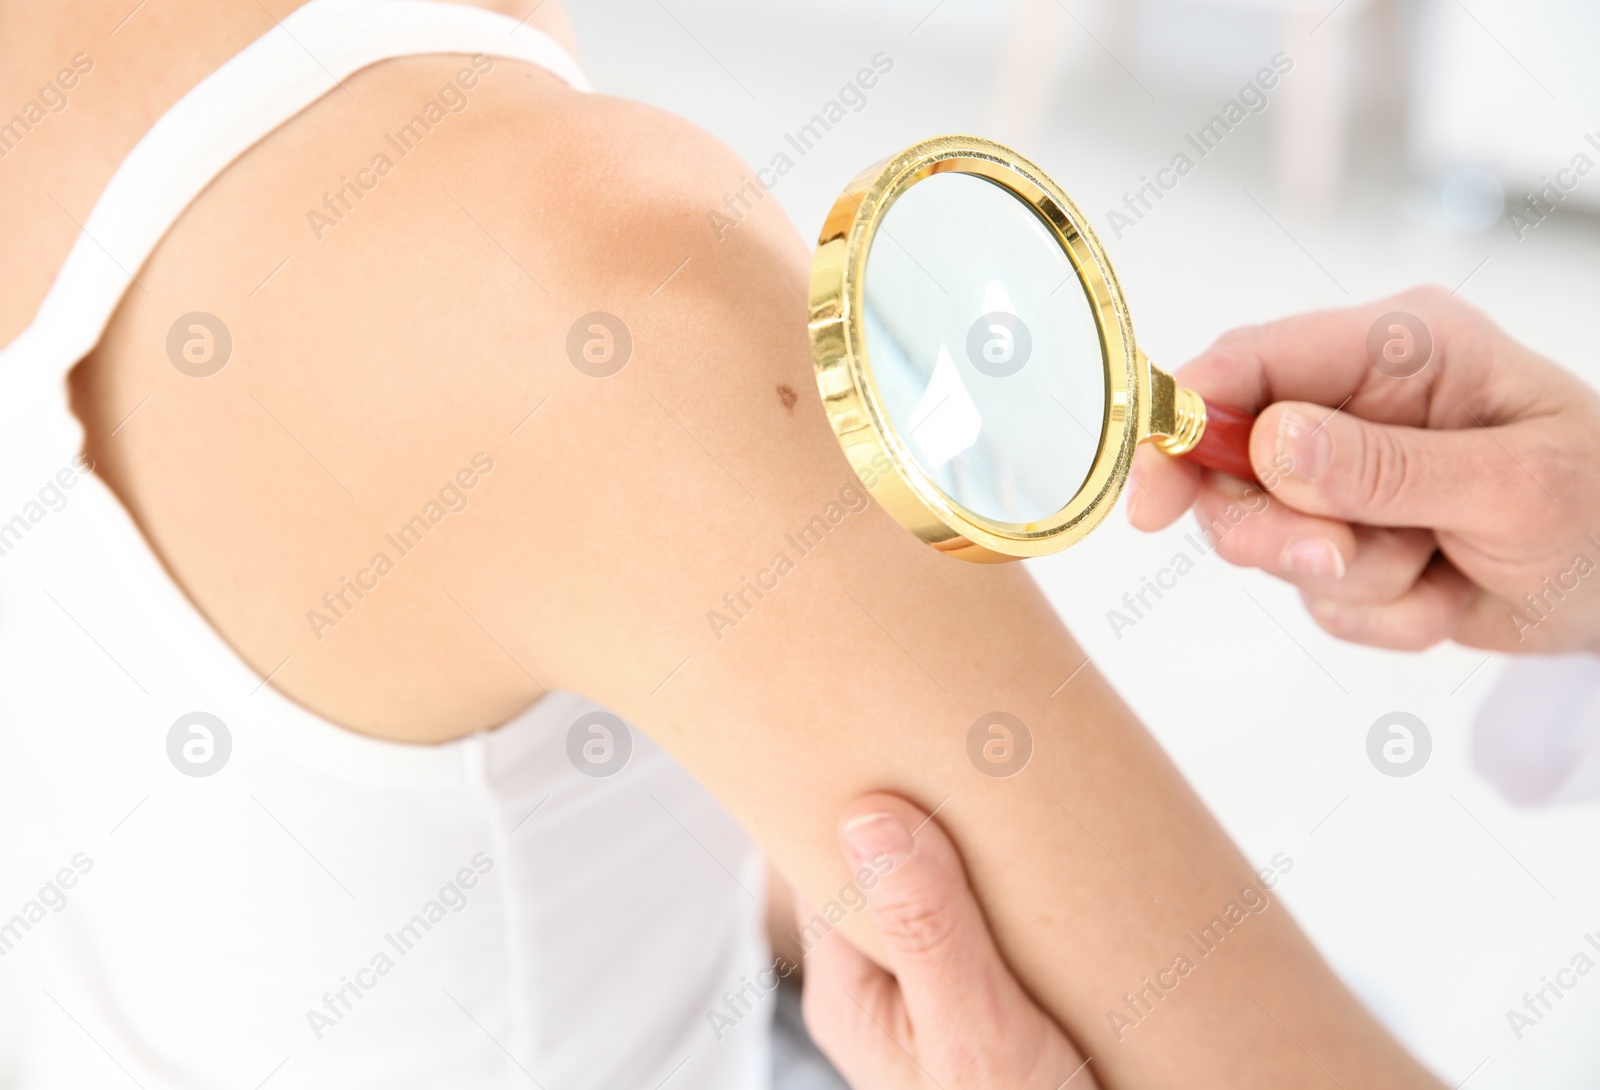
(976, 357)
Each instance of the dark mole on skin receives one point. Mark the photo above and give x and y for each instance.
(788, 397)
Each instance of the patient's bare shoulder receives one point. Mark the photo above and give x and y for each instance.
(429, 283)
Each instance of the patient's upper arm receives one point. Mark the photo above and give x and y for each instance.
(683, 540)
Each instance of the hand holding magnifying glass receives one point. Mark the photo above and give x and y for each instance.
(977, 362)
(976, 357)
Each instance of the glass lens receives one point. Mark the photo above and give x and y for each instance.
(984, 348)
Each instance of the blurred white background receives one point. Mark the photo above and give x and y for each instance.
(1378, 163)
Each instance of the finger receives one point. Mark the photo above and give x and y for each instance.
(841, 967)
(953, 982)
(1337, 465)
(1327, 557)
(1327, 356)
(1323, 357)
(1431, 611)
(1160, 488)
(1494, 624)
(1249, 527)
(851, 1007)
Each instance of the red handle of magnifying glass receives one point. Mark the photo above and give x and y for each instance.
(1225, 443)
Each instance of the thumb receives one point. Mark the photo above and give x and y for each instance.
(934, 936)
(1325, 462)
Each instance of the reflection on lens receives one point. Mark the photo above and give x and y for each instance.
(984, 348)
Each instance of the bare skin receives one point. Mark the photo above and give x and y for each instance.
(1449, 503)
(955, 1017)
(431, 325)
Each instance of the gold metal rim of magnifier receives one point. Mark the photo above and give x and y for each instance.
(1141, 400)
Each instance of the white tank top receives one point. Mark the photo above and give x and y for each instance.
(273, 900)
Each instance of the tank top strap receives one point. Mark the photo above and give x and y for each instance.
(304, 57)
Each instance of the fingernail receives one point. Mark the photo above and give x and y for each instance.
(872, 835)
(1231, 486)
(1313, 556)
(1304, 447)
(1325, 609)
